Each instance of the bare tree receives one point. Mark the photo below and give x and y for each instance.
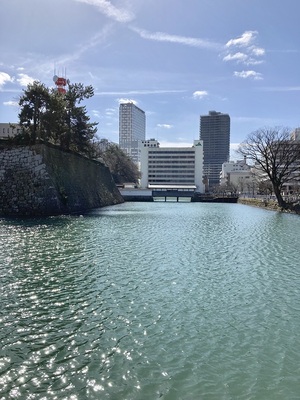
(276, 155)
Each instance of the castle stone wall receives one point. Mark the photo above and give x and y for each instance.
(44, 180)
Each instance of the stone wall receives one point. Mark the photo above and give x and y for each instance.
(44, 180)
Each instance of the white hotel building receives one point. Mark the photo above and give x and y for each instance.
(172, 167)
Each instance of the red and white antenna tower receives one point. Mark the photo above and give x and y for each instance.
(60, 82)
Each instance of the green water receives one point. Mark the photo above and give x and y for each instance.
(151, 301)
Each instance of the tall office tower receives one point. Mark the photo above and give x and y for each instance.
(215, 133)
(132, 129)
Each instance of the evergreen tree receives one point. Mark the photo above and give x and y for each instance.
(33, 104)
(49, 116)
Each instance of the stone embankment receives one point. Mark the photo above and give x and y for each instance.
(264, 203)
(43, 180)
(269, 204)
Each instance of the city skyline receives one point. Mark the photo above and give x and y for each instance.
(175, 62)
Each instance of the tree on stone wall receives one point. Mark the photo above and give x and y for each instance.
(49, 116)
(33, 105)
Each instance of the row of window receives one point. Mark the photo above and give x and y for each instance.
(191, 152)
(171, 170)
(172, 162)
(184, 177)
(10, 130)
(177, 181)
(162, 158)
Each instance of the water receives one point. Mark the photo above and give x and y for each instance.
(151, 301)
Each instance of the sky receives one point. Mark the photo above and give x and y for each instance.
(175, 59)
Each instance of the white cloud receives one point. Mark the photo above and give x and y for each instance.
(25, 80)
(140, 92)
(124, 101)
(108, 9)
(200, 94)
(253, 61)
(243, 41)
(282, 89)
(4, 78)
(93, 41)
(165, 37)
(248, 74)
(251, 54)
(96, 113)
(258, 51)
(110, 111)
(239, 57)
(11, 103)
(166, 126)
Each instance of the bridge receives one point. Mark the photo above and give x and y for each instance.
(184, 192)
(157, 192)
(175, 191)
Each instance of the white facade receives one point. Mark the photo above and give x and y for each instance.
(8, 130)
(239, 175)
(132, 129)
(170, 167)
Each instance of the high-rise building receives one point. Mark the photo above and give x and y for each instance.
(215, 133)
(132, 129)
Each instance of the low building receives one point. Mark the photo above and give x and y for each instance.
(179, 168)
(8, 130)
(238, 175)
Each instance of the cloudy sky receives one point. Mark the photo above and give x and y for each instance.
(176, 59)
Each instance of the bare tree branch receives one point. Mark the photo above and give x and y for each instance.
(276, 155)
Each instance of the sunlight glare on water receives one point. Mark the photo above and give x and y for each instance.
(151, 300)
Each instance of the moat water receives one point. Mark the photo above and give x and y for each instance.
(145, 301)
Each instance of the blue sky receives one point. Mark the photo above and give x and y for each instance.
(177, 59)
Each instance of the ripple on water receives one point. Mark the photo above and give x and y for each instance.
(173, 301)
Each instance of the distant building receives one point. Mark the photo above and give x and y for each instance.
(238, 175)
(8, 130)
(295, 134)
(132, 129)
(172, 167)
(149, 143)
(215, 134)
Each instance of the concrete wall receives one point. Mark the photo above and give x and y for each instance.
(43, 180)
